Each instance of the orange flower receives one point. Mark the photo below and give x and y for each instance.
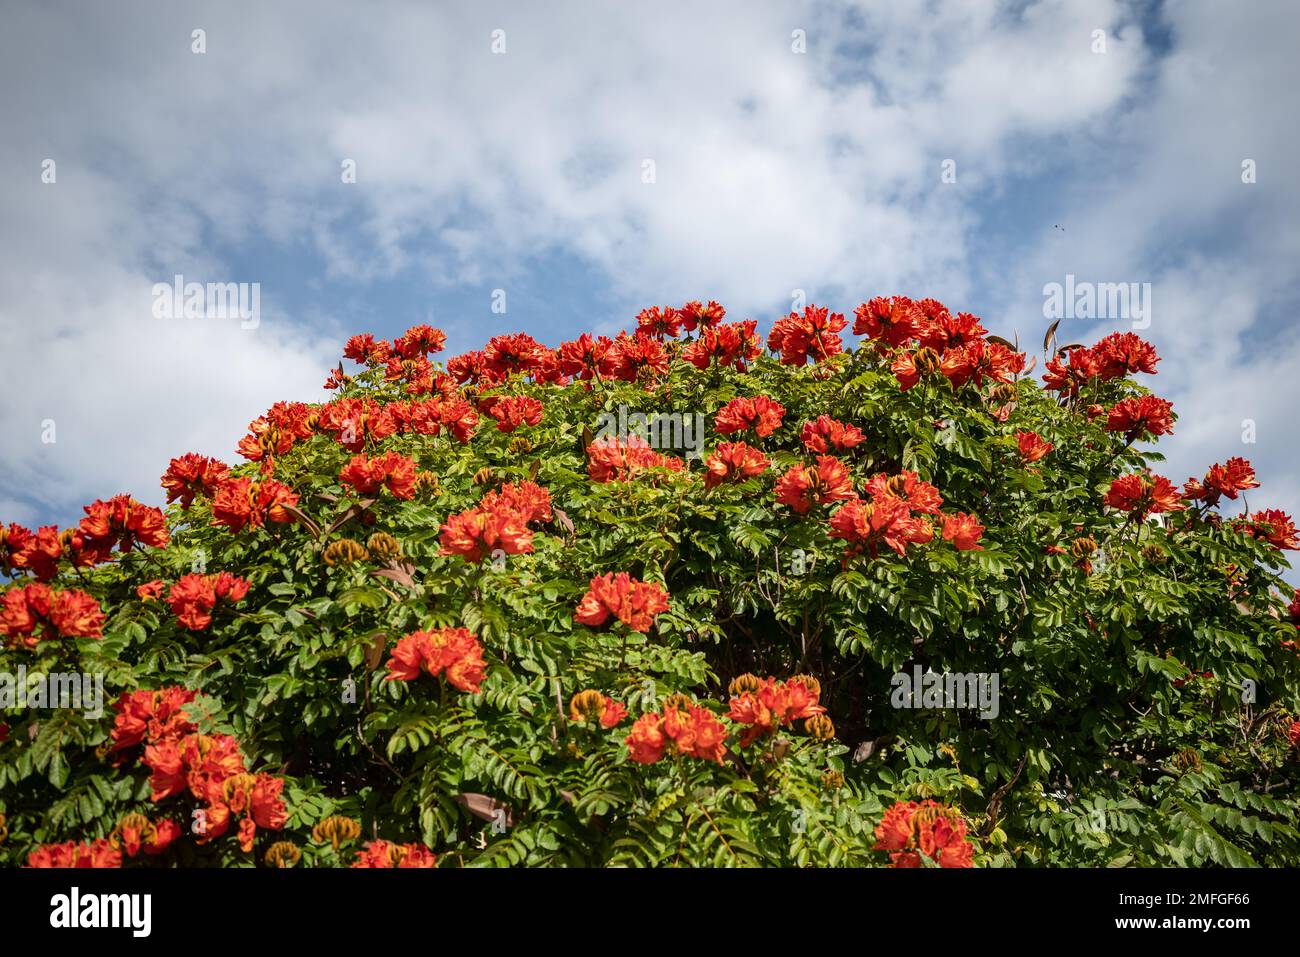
(824, 434)
(155, 716)
(392, 470)
(759, 413)
(734, 462)
(633, 602)
(893, 321)
(124, 522)
(1143, 494)
(1233, 476)
(194, 597)
(36, 613)
(963, 531)
(513, 411)
(802, 486)
(452, 652)
(384, 854)
(1032, 446)
(813, 335)
(612, 460)
(1140, 416)
(496, 523)
(97, 854)
(910, 829)
(192, 474)
(774, 705)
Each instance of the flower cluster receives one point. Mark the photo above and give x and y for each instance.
(192, 475)
(392, 470)
(385, 854)
(1118, 354)
(824, 434)
(803, 486)
(1032, 446)
(1142, 494)
(759, 413)
(814, 335)
(100, 853)
(498, 522)
(1229, 479)
(452, 652)
(682, 727)
(240, 503)
(734, 462)
(515, 410)
(1273, 526)
(933, 340)
(767, 706)
(592, 706)
(136, 833)
(633, 602)
(194, 596)
(1139, 416)
(614, 460)
(151, 715)
(733, 344)
(910, 830)
(37, 612)
(122, 522)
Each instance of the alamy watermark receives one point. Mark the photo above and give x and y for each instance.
(213, 300)
(75, 690)
(1098, 300)
(943, 690)
(680, 431)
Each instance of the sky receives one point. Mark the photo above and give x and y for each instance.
(592, 159)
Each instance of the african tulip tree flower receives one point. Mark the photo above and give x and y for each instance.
(135, 833)
(1273, 526)
(151, 716)
(813, 335)
(695, 313)
(916, 494)
(1032, 445)
(1231, 478)
(124, 522)
(733, 462)
(513, 411)
(420, 341)
(963, 531)
(496, 523)
(193, 475)
(1137, 416)
(613, 460)
(99, 853)
(241, 502)
(661, 322)
(633, 602)
(887, 520)
(892, 321)
(392, 470)
(587, 357)
(364, 348)
(774, 705)
(691, 731)
(37, 552)
(37, 612)
(1143, 494)
(385, 854)
(451, 652)
(803, 486)
(592, 706)
(194, 597)
(732, 344)
(910, 829)
(824, 434)
(635, 356)
(760, 414)
(193, 763)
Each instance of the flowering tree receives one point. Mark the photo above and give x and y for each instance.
(438, 621)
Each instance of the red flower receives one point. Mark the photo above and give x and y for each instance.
(910, 830)
(384, 854)
(99, 853)
(587, 357)
(633, 602)
(240, 503)
(591, 705)
(611, 460)
(803, 486)
(692, 731)
(420, 341)
(824, 434)
(364, 348)
(963, 531)
(392, 470)
(695, 314)
(1032, 446)
(527, 498)
(734, 344)
(1234, 476)
(515, 353)
(979, 359)
(36, 613)
(814, 335)
(514, 411)
(942, 330)
(152, 716)
(893, 321)
(734, 462)
(452, 652)
(660, 323)
(760, 414)
(1293, 734)
(1083, 365)
(37, 552)
(885, 520)
(1143, 494)
(497, 522)
(1135, 416)
(193, 597)
(122, 521)
(1272, 525)
(1121, 354)
(192, 475)
(917, 495)
(638, 355)
(774, 705)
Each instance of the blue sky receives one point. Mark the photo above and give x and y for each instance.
(776, 171)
